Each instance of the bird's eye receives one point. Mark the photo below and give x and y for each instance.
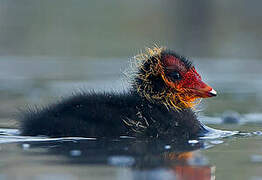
(175, 75)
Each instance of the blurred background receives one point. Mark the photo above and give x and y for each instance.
(51, 48)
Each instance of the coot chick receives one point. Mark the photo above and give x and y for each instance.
(160, 103)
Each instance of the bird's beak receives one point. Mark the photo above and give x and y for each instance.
(203, 90)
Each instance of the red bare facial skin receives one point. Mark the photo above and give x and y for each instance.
(191, 83)
(173, 63)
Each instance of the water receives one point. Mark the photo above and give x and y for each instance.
(223, 154)
(233, 150)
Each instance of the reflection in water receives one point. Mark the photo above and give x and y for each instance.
(147, 159)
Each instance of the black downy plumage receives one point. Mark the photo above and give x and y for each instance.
(158, 104)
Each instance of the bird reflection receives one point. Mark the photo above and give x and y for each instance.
(146, 159)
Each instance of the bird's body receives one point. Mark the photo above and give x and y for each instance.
(110, 115)
(151, 108)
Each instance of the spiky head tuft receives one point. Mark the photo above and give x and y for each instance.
(165, 77)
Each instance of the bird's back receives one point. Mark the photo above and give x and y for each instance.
(107, 115)
(87, 114)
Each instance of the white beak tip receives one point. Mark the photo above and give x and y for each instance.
(213, 92)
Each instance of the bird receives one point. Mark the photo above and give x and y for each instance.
(159, 103)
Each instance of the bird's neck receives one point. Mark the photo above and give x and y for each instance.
(171, 103)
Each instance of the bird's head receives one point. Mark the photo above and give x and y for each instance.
(166, 77)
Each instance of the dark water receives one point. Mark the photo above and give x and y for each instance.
(221, 155)
(124, 158)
